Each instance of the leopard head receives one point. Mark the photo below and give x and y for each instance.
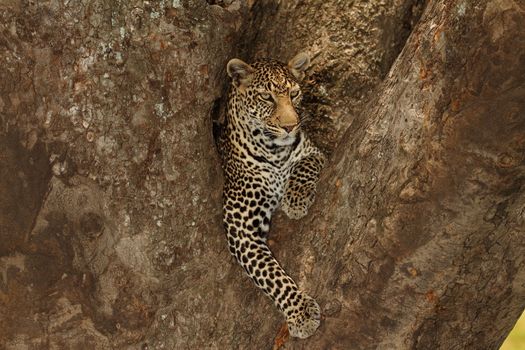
(266, 94)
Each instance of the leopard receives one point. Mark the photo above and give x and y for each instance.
(268, 163)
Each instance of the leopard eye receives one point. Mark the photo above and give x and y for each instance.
(294, 93)
(266, 96)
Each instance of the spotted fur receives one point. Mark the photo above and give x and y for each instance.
(268, 163)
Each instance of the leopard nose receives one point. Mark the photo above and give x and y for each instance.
(289, 128)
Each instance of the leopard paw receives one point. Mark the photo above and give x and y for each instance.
(296, 205)
(294, 212)
(305, 319)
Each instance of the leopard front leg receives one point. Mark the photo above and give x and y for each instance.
(247, 225)
(300, 189)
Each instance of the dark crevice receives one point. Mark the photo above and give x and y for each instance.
(409, 21)
(261, 15)
(221, 3)
(218, 117)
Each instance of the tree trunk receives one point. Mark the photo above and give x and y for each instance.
(419, 225)
(110, 186)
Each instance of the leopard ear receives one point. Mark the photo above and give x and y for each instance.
(299, 64)
(240, 72)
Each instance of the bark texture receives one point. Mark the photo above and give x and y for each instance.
(419, 227)
(352, 45)
(110, 185)
(110, 233)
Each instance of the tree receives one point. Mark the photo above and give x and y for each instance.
(111, 231)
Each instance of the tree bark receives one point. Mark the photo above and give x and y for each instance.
(110, 193)
(352, 45)
(419, 225)
(110, 228)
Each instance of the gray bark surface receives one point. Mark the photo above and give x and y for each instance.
(110, 229)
